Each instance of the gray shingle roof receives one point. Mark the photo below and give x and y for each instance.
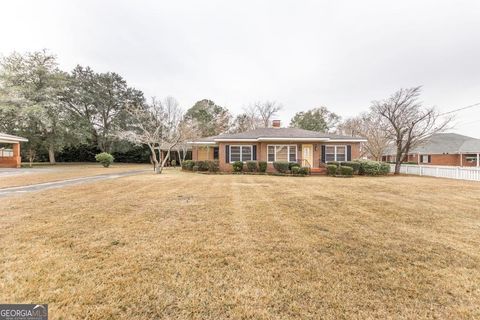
(278, 133)
(445, 143)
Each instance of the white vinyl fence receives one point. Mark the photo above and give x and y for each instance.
(462, 173)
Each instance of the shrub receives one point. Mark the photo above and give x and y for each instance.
(373, 168)
(173, 163)
(195, 168)
(252, 166)
(188, 165)
(262, 166)
(331, 169)
(352, 164)
(213, 166)
(345, 171)
(292, 165)
(106, 159)
(237, 166)
(303, 171)
(335, 163)
(281, 166)
(384, 168)
(202, 165)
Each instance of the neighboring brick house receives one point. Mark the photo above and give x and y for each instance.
(10, 151)
(309, 148)
(446, 149)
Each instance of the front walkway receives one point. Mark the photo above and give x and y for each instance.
(61, 183)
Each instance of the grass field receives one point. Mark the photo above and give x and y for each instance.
(191, 246)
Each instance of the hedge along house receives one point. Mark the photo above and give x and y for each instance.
(445, 149)
(10, 151)
(308, 148)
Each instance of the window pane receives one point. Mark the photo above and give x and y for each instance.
(293, 154)
(330, 153)
(271, 153)
(341, 152)
(282, 153)
(234, 153)
(246, 153)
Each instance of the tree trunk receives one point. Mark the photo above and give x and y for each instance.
(398, 159)
(51, 154)
(31, 157)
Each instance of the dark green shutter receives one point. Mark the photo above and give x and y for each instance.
(323, 153)
(429, 158)
(227, 154)
(349, 153)
(254, 153)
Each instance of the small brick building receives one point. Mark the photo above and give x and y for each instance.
(444, 149)
(10, 151)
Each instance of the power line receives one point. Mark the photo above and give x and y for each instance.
(460, 109)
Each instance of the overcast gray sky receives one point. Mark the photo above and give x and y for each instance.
(303, 54)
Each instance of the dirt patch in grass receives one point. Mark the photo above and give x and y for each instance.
(27, 176)
(177, 246)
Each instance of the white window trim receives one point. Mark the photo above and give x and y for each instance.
(241, 150)
(282, 145)
(335, 154)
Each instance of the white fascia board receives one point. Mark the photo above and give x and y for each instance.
(294, 139)
(236, 140)
(11, 140)
(349, 140)
(201, 142)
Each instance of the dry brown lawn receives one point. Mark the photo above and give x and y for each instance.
(191, 246)
(58, 172)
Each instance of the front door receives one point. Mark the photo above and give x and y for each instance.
(307, 155)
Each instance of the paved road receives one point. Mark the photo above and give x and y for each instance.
(64, 183)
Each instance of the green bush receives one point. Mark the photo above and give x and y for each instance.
(292, 165)
(106, 159)
(213, 166)
(352, 164)
(345, 171)
(384, 168)
(252, 166)
(237, 166)
(336, 163)
(195, 168)
(202, 165)
(173, 163)
(281, 166)
(373, 168)
(331, 169)
(303, 171)
(262, 166)
(188, 165)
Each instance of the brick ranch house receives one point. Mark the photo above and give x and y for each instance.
(445, 149)
(308, 148)
(10, 151)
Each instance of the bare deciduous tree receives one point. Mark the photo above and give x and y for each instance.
(370, 126)
(156, 124)
(409, 122)
(265, 111)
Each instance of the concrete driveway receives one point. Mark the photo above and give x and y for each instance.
(56, 184)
